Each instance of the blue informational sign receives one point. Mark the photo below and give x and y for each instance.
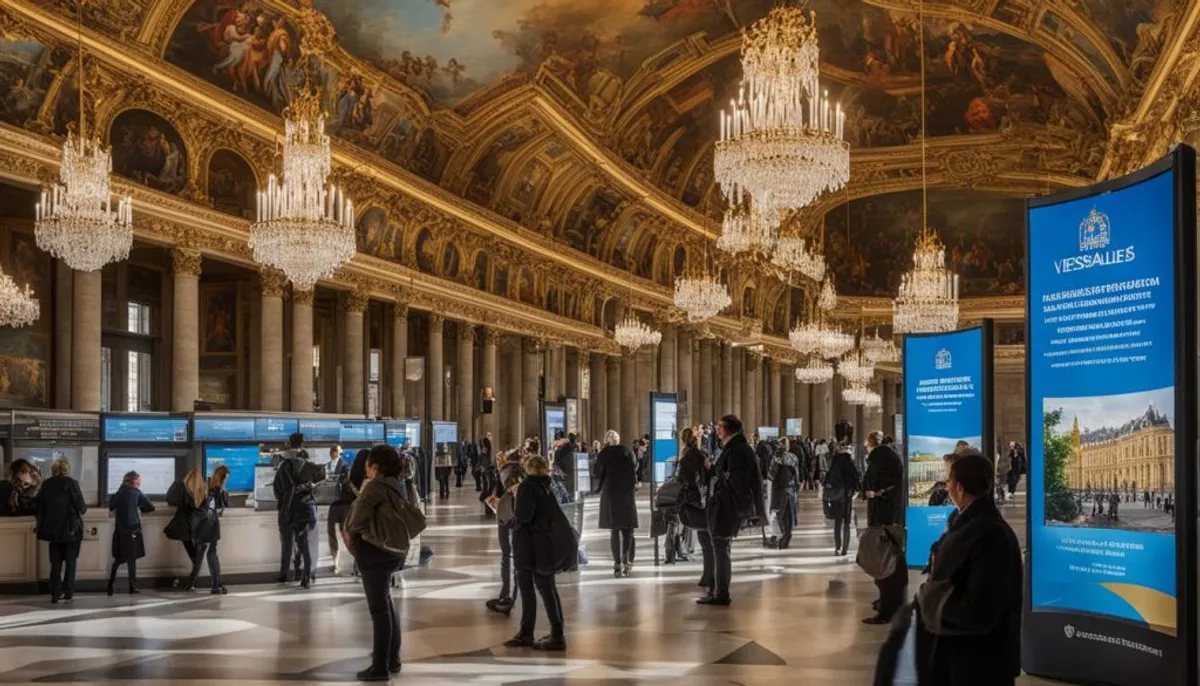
(403, 434)
(145, 429)
(765, 432)
(218, 429)
(241, 461)
(794, 426)
(360, 432)
(664, 414)
(274, 429)
(1102, 403)
(944, 388)
(321, 430)
(445, 432)
(554, 421)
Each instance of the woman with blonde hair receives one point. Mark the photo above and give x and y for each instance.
(616, 479)
(536, 514)
(59, 510)
(211, 499)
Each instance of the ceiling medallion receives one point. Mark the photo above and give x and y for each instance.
(632, 334)
(792, 255)
(76, 219)
(304, 229)
(782, 140)
(927, 301)
(18, 307)
(701, 297)
(814, 373)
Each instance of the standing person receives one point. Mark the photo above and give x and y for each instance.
(784, 474)
(128, 544)
(297, 499)
(443, 464)
(692, 474)
(502, 498)
(337, 473)
(379, 551)
(287, 537)
(617, 476)
(487, 460)
(18, 495)
(535, 554)
(973, 598)
(1019, 466)
(883, 489)
(841, 483)
(736, 499)
(1003, 467)
(59, 509)
(211, 499)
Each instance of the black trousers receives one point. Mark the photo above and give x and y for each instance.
(202, 552)
(476, 474)
(527, 581)
(892, 590)
(287, 541)
(622, 543)
(507, 583)
(333, 525)
(63, 558)
(305, 543)
(718, 563)
(841, 527)
(130, 567)
(785, 514)
(443, 479)
(385, 620)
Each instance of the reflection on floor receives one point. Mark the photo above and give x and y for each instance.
(795, 619)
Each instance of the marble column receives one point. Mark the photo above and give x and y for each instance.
(841, 410)
(86, 342)
(598, 400)
(64, 286)
(577, 362)
(889, 408)
(738, 360)
(753, 391)
(804, 408)
(629, 401)
(612, 368)
(726, 366)
(707, 403)
(787, 390)
(774, 415)
(302, 351)
(399, 359)
(553, 379)
(668, 351)
(530, 377)
(490, 423)
(270, 372)
(645, 384)
(685, 367)
(435, 368)
(515, 394)
(822, 410)
(354, 382)
(465, 388)
(760, 393)
(185, 334)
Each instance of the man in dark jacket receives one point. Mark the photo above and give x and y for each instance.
(737, 496)
(970, 632)
(883, 489)
(564, 459)
(294, 482)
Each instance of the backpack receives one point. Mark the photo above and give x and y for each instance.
(564, 543)
(881, 550)
(667, 497)
(505, 509)
(395, 524)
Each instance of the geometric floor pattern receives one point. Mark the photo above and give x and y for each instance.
(795, 620)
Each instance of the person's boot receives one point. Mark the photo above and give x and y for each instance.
(520, 641)
(109, 589)
(555, 642)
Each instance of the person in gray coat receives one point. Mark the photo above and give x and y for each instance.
(616, 474)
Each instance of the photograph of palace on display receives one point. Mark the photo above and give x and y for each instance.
(927, 463)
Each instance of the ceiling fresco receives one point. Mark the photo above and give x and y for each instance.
(869, 247)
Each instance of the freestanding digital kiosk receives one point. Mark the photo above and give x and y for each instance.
(1110, 403)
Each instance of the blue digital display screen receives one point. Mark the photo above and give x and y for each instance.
(321, 430)
(146, 429)
(943, 396)
(445, 432)
(1102, 375)
(274, 429)
(241, 461)
(223, 428)
(404, 434)
(361, 432)
(665, 446)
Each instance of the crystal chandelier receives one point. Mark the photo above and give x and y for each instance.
(782, 140)
(815, 372)
(18, 307)
(632, 334)
(928, 298)
(818, 338)
(792, 255)
(701, 297)
(856, 395)
(873, 402)
(304, 229)
(879, 349)
(828, 298)
(76, 219)
(746, 229)
(927, 301)
(856, 368)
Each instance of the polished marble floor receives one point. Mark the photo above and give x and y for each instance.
(795, 620)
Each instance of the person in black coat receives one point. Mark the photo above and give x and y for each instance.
(534, 555)
(338, 473)
(970, 607)
(18, 495)
(128, 544)
(617, 476)
(211, 499)
(883, 488)
(294, 483)
(736, 499)
(59, 511)
(842, 482)
(509, 475)
(784, 474)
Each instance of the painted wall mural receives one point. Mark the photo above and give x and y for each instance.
(27, 69)
(147, 149)
(871, 248)
(231, 184)
(379, 236)
(25, 352)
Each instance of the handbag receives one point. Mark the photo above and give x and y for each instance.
(881, 550)
(668, 496)
(505, 510)
(395, 524)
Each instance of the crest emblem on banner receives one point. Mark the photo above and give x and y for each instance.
(943, 360)
(1094, 230)
(1069, 631)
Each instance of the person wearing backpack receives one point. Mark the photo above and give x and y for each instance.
(210, 499)
(543, 545)
(842, 482)
(383, 522)
(502, 498)
(297, 507)
(280, 486)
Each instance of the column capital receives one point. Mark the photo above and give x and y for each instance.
(273, 282)
(400, 310)
(585, 358)
(466, 332)
(773, 365)
(490, 336)
(300, 297)
(186, 262)
(357, 301)
(530, 346)
(754, 360)
(437, 322)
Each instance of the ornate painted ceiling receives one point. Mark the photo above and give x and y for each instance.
(589, 126)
